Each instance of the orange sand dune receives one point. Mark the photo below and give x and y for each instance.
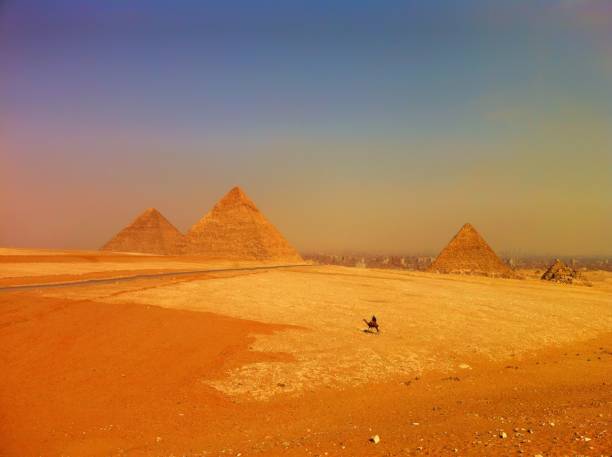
(81, 378)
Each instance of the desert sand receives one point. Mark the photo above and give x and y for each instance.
(275, 361)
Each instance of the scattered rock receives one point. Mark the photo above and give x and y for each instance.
(451, 378)
(465, 366)
(503, 435)
(561, 273)
(375, 439)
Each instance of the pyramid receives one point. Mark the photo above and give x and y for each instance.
(235, 229)
(149, 233)
(559, 272)
(469, 253)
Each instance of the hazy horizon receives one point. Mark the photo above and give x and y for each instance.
(365, 126)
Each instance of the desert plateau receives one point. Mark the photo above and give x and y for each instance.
(274, 361)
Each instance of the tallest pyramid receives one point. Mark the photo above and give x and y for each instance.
(235, 229)
(469, 253)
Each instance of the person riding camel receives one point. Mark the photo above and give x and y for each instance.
(372, 324)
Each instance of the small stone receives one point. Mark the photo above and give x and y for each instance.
(416, 424)
(158, 439)
(503, 435)
(586, 439)
(375, 439)
(465, 366)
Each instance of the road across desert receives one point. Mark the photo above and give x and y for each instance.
(142, 276)
(275, 362)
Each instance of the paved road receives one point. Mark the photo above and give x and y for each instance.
(89, 282)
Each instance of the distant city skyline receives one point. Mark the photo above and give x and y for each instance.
(369, 126)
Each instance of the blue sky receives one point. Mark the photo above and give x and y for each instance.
(445, 111)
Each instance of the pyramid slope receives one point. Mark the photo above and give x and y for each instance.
(469, 253)
(235, 229)
(149, 233)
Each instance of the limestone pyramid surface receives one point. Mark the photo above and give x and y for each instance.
(149, 233)
(560, 272)
(469, 253)
(235, 229)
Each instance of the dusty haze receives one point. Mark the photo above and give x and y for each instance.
(382, 128)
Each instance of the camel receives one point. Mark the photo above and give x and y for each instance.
(372, 324)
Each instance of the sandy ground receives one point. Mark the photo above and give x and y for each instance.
(276, 363)
(428, 321)
(30, 266)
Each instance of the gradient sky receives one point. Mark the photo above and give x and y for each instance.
(371, 126)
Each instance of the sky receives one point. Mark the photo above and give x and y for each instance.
(356, 126)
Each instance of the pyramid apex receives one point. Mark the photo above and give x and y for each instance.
(237, 192)
(236, 196)
(150, 213)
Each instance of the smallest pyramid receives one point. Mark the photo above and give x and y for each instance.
(149, 233)
(469, 253)
(559, 272)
